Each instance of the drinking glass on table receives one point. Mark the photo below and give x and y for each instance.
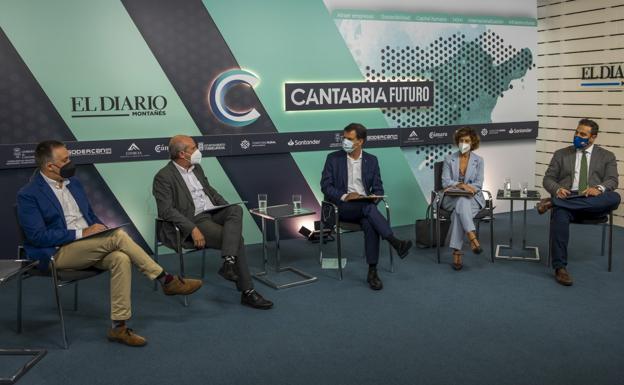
(262, 202)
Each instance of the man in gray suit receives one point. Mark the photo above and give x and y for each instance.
(185, 198)
(581, 179)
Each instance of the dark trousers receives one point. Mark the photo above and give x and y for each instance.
(571, 210)
(373, 224)
(222, 230)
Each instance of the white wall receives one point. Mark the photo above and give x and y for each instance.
(509, 8)
(572, 35)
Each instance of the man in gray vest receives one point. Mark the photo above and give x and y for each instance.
(185, 198)
(581, 179)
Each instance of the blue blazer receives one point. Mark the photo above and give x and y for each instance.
(473, 177)
(41, 217)
(334, 180)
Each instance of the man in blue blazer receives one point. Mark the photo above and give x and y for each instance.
(348, 176)
(60, 225)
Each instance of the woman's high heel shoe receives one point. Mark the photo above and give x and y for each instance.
(475, 246)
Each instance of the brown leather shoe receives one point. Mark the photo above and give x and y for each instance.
(126, 336)
(562, 276)
(543, 205)
(182, 286)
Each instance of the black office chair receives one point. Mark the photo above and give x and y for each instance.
(329, 217)
(178, 249)
(486, 214)
(603, 220)
(59, 277)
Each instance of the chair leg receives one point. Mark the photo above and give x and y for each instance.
(610, 240)
(321, 238)
(438, 237)
(492, 238)
(156, 243)
(203, 265)
(59, 305)
(20, 279)
(339, 250)
(181, 256)
(549, 259)
(76, 296)
(389, 245)
(604, 238)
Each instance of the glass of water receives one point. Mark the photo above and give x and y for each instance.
(524, 189)
(262, 202)
(296, 200)
(507, 187)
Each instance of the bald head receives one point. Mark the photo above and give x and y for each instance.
(179, 144)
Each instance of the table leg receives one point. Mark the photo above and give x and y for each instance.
(262, 276)
(277, 246)
(500, 248)
(511, 214)
(524, 213)
(264, 246)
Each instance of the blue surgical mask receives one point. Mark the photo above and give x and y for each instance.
(580, 142)
(347, 145)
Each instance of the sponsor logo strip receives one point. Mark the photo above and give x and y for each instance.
(124, 150)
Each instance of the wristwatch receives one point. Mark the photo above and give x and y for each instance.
(601, 188)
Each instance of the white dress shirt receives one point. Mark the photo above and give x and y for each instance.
(73, 216)
(200, 199)
(354, 179)
(577, 166)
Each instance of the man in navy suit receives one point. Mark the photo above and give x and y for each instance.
(350, 175)
(59, 223)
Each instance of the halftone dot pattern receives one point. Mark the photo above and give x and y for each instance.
(467, 74)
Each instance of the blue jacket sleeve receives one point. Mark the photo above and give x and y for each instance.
(327, 182)
(34, 227)
(478, 181)
(447, 180)
(377, 186)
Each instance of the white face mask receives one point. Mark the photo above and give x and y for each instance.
(196, 157)
(464, 148)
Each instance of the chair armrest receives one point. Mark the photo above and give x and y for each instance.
(160, 220)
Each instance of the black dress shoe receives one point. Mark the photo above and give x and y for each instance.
(373, 280)
(255, 300)
(403, 248)
(228, 271)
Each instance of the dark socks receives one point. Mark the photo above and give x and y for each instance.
(164, 278)
(118, 324)
(372, 266)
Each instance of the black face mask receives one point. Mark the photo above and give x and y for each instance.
(68, 170)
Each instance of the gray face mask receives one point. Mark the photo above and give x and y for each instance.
(347, 145)
(464, 147)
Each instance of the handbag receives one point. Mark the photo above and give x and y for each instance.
(426, 231)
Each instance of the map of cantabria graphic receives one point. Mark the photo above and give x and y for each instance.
(472, 66)
(469, 77)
